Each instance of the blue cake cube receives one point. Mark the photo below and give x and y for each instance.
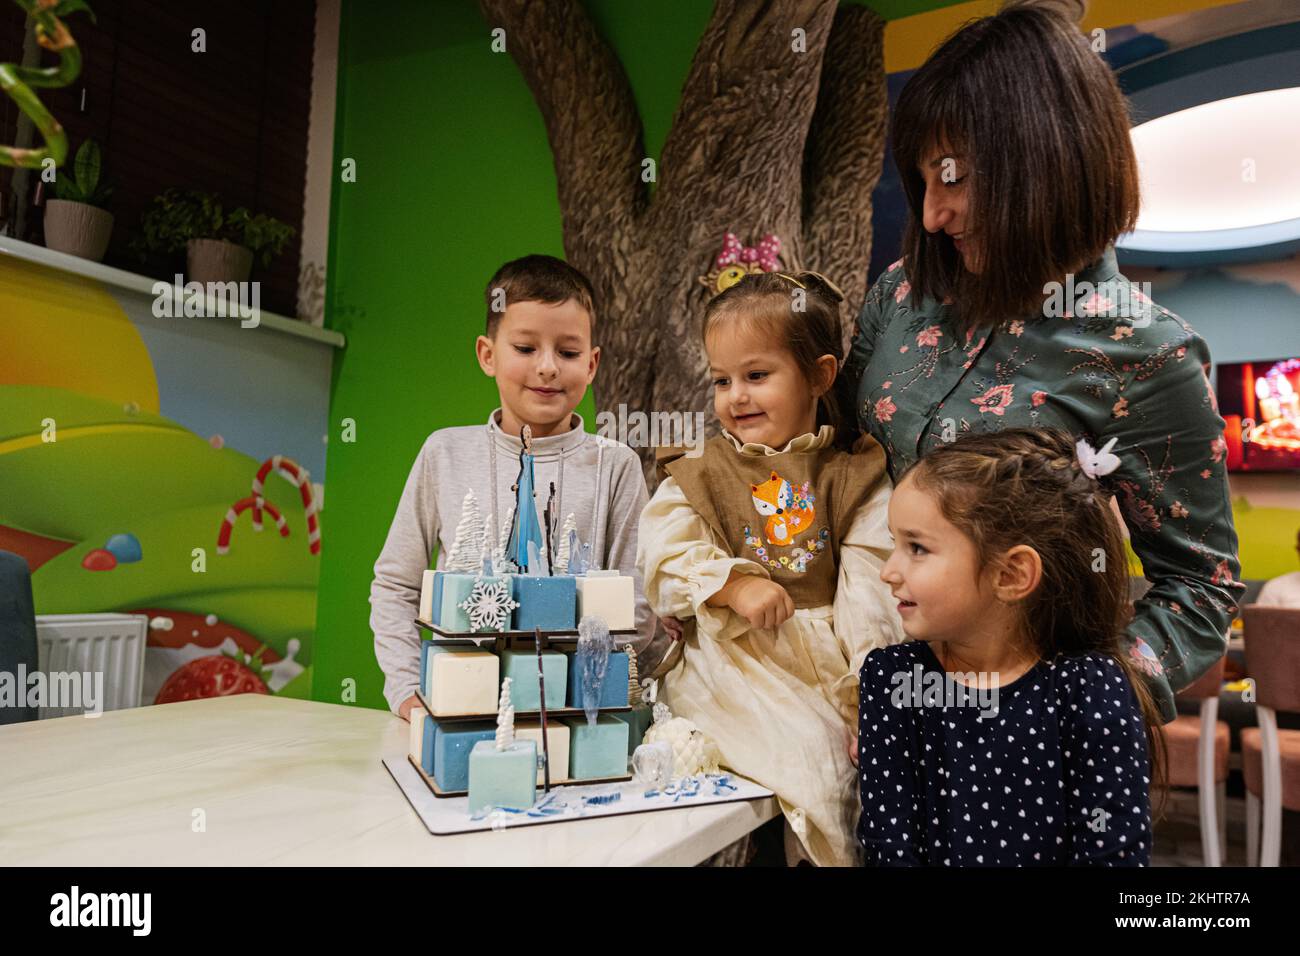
(597, 750)
(613, 692)
(449, 748)
(503, 778)
(449, 589)
(423, 729)
(521, 667)
(550, 603)
(638, 720)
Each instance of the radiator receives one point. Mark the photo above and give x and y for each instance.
(111, 644)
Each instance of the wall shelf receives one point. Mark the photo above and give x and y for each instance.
(145, 286)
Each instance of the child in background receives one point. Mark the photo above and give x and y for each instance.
(538, 348)
(1012, 729)
(751, 542)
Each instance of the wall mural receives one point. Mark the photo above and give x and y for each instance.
(138, 457)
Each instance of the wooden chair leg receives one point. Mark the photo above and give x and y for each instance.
(1221, 796)
(1205, 788)
(1252, 829)
(1270, 850)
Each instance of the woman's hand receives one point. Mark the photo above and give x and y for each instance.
(851, 740)
(760, 601)
(674, 627)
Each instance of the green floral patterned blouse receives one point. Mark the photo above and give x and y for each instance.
(1141, 380)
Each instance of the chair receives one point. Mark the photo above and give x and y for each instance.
(17, 628)
(1198, 757)
(1271, 757)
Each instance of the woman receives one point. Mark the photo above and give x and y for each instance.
(1007, 309)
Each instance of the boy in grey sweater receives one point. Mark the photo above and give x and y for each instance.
(538, 348)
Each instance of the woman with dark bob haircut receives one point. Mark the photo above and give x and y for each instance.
(1007, 310)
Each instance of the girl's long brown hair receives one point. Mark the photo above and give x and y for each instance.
(1025, 486)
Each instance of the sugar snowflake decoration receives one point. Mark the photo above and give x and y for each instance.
(489, 605)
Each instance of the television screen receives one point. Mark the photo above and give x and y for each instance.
(1260, 402)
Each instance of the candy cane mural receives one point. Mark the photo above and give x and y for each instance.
(295, 474)
(242, 505)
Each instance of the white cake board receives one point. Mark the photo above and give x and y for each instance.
(444, 816)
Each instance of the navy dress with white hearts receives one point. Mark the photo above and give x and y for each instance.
(1054, 771)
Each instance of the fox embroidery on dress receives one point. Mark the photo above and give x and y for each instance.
(788, 512)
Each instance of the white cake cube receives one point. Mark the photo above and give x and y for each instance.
(460, 681)
(416, 748)
(426, 596)
(557, 734)
(608, 595)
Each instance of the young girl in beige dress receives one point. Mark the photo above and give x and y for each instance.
(754, 544)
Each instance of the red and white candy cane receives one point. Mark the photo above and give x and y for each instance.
(295, 474)
(243, 504)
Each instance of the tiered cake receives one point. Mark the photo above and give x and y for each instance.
(457, 735)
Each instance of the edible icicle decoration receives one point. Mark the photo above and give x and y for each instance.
(505, 718)
(579, 556)
(594, 645)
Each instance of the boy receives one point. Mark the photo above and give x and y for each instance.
(538, 348)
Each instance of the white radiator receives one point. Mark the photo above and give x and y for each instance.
(111, 644)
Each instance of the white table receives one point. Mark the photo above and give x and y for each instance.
(281, 782)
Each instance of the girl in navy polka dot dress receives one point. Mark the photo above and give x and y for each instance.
(1012, 729)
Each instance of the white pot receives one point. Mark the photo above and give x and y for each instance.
(216, 260)
(77, 228)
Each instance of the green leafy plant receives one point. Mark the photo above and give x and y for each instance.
(178, 215)
(82, 182)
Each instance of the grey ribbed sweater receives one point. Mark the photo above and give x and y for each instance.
(601, 485)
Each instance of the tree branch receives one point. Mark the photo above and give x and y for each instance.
(591, 121)
(845, 150)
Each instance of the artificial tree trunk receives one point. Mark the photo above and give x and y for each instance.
(767, 138)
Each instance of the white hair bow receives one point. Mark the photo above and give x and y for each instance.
(1096, 462)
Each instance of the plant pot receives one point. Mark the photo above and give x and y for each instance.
(77, 228)
(216, 260)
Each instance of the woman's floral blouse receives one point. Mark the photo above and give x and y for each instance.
(1110, 363)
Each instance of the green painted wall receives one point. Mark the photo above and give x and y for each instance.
(454, 177)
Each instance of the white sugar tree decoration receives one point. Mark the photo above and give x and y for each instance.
(466, 553)
(562, 551)
(505, 718)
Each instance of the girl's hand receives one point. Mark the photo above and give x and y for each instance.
(762, 602)
(852, 740)
(674, 627)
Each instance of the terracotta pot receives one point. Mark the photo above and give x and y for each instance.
(216, 260)
(77, 228)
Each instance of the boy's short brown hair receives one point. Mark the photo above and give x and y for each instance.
(536, 278)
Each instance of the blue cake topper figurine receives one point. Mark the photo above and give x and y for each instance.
(524, 528)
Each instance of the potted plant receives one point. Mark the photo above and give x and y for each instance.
(220, 246)
(77, 221)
